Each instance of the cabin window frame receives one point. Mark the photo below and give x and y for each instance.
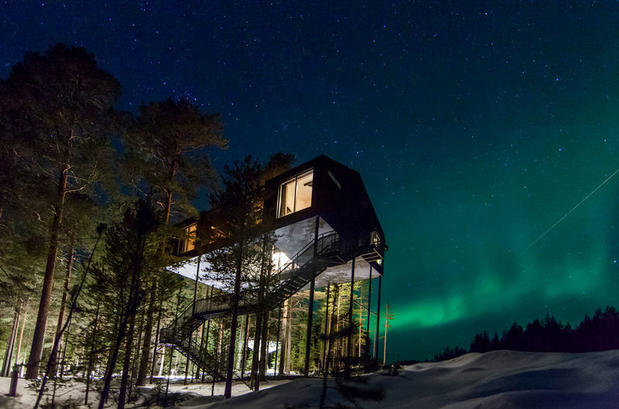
(295, 179)
(190, 238)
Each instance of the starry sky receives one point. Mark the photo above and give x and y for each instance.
(475, 126)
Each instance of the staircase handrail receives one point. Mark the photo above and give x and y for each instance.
(294, 260)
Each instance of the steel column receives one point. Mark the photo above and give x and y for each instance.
(310, 310)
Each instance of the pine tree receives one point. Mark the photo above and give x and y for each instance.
(59, 106)
(247, 257)
(167, 158)
(232, 264)
(128, 253)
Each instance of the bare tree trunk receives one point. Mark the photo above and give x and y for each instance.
(152, 367)
(351, 300)
(255, 378)
(278, 334)
(289, 335)
(120, 334)
(186, 370)
(208, 330)
(74, 299)
(122, 394)
(244, 355)
(10, 346)
(264, 355)
(162, 361)
(328, 332)
(282, 353)
(239, 346)
(220, 337)
(63, 302)
(91, 355)
(150, 317)
(129, 314)
(34, 360)
(326, 339)
(196, 367)
(134, 366)
(338, 351)
(148, 331)
(21, 335)
(64, 351)
(235, 318)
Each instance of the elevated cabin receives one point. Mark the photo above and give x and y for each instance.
(319, 191)
(326, 232)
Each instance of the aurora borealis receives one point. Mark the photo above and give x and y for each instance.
(474, 126)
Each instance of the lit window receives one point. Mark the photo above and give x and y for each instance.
(295, 194)
(189, 243)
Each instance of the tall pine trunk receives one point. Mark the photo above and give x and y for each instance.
(122, 394)
(36, 349)
(255, 377)
(284, 342)
(150, 317)
(154, 361)
(63, 302)
(234, 324)
(264, 354)
(289, 336)
(129, 314)
(21, 336)
(10, 346)
(136, 361)
(91, 355)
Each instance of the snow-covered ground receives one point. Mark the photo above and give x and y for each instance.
(499, 379)
(74, 392)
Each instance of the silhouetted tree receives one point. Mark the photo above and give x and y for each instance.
(247, 259)
(167, 156)
(126, 256)
(597, 333)
(481, 343)
(449, 353)
(60, 102)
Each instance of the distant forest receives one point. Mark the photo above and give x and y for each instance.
(597, 333)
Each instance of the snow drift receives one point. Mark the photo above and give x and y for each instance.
(498, 379)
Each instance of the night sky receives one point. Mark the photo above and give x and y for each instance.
(475, 127)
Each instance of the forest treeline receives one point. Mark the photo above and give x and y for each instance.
(600, 332)
(90, 200)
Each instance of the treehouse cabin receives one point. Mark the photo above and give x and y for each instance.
(325, 232)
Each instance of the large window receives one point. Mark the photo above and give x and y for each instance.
(295, 194)
(189, 242)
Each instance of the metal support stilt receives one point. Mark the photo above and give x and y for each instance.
(377, 335)
(350, 318)
(367, 325)
(277, 347)
(326, 338)
(310, 311)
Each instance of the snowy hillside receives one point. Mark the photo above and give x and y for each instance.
(499, 379)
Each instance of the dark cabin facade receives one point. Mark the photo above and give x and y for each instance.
(326, 230)
(320, 188)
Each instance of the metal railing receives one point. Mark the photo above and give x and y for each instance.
(302, 267)
(328, 242)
